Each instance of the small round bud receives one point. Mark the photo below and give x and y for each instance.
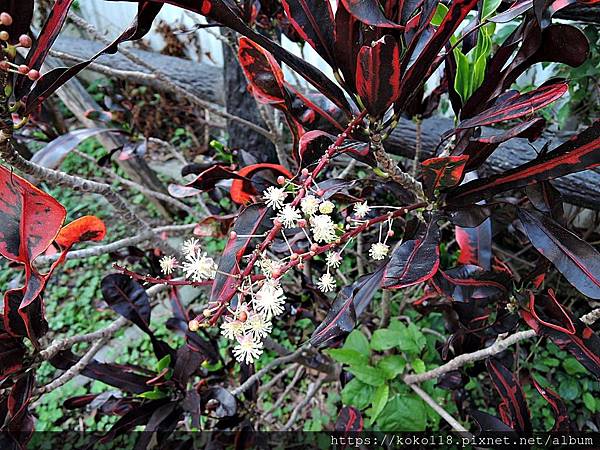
(4, 36)
(305, 172)
(232, 235)
(294, 256)
(6, 19)
(4, 65)
(302, 223)
(194, 325)
(348, 226)
(207, 312)
(25, 41)
(312, 253)
(23, 69)
(276, 274)
(301, 266)
(321, 192)
(33, 74)
(281, 180)
(314, 247)
(243, 316)
(390, 233)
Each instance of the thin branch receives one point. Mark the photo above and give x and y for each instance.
(312, 391)
(455, 424)
(299, 372)
(273, 381)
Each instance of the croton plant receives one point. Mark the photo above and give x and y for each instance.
(390, 60)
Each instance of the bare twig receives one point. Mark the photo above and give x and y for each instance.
(455, 424)
(273, 381)
(299, 372)
(312, 391)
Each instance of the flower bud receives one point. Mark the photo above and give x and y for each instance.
(390, 233)
(194, 325)
(281, 180)
(23, 69)
(33, 74)
(25, 41)
(314, 247)
(232, 235)
(6, 19)
(305, 172)
(243, 316)
(302, 223)
(4, 36)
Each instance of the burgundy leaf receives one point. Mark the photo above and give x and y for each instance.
(489, 423)
(242, 190)
(262, 71)
(561, 415)
(517, 106)
(577, 260)
(547, 199)
(511, 393)
(575, 155)
(471, 283)
(350, 302)
(12, 351)
(369, 12)
(549, 318)
(516, 9)
(347, 43)
(414, 261)
(378, 74)
(313, 20)
(218, 401)
(349, 420)
(20, 424)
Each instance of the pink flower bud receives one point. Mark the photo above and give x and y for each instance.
(314, 247)
(305, 172)
(320, 192)
(23, 69)
(302, 223)
(390, 233)
(25, 41)
(33, 74)
(281, 179)
(232, 235)
(6, 19)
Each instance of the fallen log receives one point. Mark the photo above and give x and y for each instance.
(206, 80)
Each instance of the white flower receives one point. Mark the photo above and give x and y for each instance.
(258, 326)
(232, 329)
(248, 349)
(333, 259)
(289, 216)
(269, 299)
(326, 283)
(323, 228)
(199, 267)
(309, 205)
(379, 251)
(326, 207)
(190, 247)
(167, 264)
(268, 266)
(274, 197)
(361, 210)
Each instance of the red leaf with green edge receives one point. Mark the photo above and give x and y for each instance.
(370, 13)
(41, 46)
(427, 60)
(51, 81)
(579, 153)
(21, 12)
(313, 20)
(548, 318)
(561, 414)
(443, 172)
(475, 244)
(378, 74)
(226, 13)
(250, 220)
(347, 43)
(262, 71)
(349, 420)
(511, 393)
(577, 260)
(242, 190)
(517, 106)
(86, 228)
(480, 149)
(414, 261)
(349, 304)
(12, 351)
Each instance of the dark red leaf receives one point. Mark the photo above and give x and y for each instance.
(350, 302)
(220, 402)
(347, 43)
(443, 172)
(349, 420)
(549, 318)
(12, 351)
(471, 283)
(475, 244)
(262, 71)
(242, 190)
(517, 106)
(511, 393)
(575, 155)
(414, 261)
(378, 74)
(577, 260)
(489, 423)
(313, 21)
(20, 424)
(516, 9)
(369, 12)
(561, 415)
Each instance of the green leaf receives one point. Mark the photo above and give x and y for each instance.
(569, 389)
(348, 356)
(392, 365)
(357, 394)
(368, 374)
(164, 362)
(489, 8)
(573, 367)
(153, 395)
(379, 401)
(439, 15)
(357, 341)
(403, 412)
(462, 80)
(384, 339)
(589, 402)
(418, 365)
(412, 340)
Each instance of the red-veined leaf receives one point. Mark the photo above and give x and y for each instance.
(577, 260)
(561, 415)
(471, 283)
(443, 172)
(313, 21)
(378, 74)
(347, 43)
(517, 106)
(547, 317)
(414, 261)
(262, 71)
(475, 244)
(20, 423)
(242, 190)
(350, 302)
(511, 393)
(575, 155)
(349, 420)
(369, 12)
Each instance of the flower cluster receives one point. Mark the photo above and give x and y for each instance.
(196, 266)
